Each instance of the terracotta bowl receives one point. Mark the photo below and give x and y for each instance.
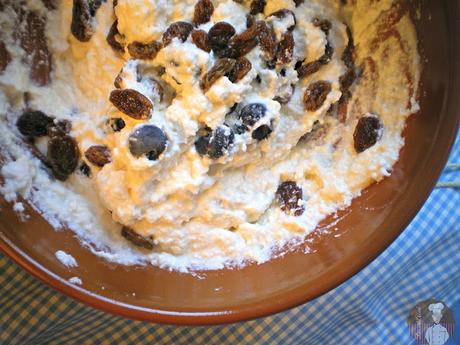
(365, 229)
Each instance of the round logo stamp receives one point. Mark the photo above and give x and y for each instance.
(431, 322)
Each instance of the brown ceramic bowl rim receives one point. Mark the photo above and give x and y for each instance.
(241, 313)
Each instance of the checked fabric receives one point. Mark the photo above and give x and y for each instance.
(370, 308)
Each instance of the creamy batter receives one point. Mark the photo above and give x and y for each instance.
(244, 163)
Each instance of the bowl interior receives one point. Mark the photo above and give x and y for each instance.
(347, 243)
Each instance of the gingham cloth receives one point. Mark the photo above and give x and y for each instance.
(370, 308)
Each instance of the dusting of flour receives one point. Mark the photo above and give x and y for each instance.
(205, 214)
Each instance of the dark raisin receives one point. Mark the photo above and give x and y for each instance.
(316, 94)
(117, 124)
(288, 196)
(82, 21)
(146, 242)
(112, 38)
(63, 156)
(219, 35)
(325, 25)
(203, 12)
(239, 71)
(283, 13)
(252, 113)
(202, 143)
(250, 21)
(147, 51)
(34, 123)
(94, 6)
(367, 132)
(267, 40)
(85, 169)
(147, 140)
(257, 6)
(262, 132)
(285, 48)
(339, 109)
(98, 155)
(180, 30)
(328, 52)
(5, 57)
(60, 128)
(347, 79)
(132, 103)
(241, 44)
(220, 142)
(221, 68)
(200, 39)
(348, 53)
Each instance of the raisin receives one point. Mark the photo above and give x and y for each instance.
(132, 103)
(98, 155)
(144, 51)
(203, 12)
(241, 44)
(34, 123)
(221, 68)
(82, 21)
(262, 132)
(180, 30)
(348, 53)
(112, 38)
(239, 71)
(285, 49)
(200, 39)
(288, 196)
(257, 6)
(328, 52)
(94, 6)
(202, 143)
(367, 132)
(117, 124)
(347, 79)
(283, 13)
(250, 21)
(220, 142)
(60, 128)
(316, 94)
(219, 35)
(298, 2)
(118, 82)
(63, 156)
(137, 239)
(267, 40)
(5, 57)
(85, 169)
(147, 140)
(309, 69)
(252, 113)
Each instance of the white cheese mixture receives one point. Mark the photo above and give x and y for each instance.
(205, 213)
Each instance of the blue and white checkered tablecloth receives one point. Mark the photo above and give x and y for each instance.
(371, 308)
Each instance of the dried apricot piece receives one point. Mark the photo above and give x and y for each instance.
(316, 94)
(132, 103)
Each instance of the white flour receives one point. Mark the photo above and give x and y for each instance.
(205, 213)
(66, 259)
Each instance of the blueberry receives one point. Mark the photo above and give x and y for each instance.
(147, 140)
(220, 141)
(252, 113)
(262, 132)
